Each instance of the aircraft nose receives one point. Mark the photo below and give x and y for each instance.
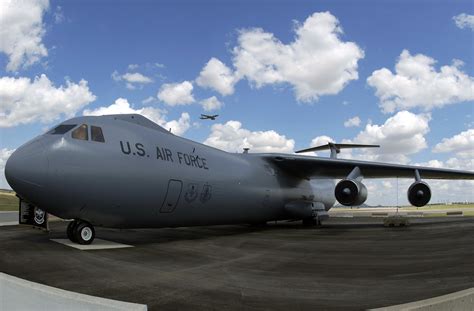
(27, 168)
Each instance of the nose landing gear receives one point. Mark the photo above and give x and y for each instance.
(80, 231)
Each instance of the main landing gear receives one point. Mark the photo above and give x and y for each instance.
(79, 231)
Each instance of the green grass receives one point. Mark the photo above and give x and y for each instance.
(438, 206)
(8, 201)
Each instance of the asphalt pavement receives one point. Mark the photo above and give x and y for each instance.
(348, 263)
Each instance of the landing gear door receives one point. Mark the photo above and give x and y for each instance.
(32, 215)
(172, 196)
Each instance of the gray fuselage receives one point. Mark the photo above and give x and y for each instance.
(143, 176)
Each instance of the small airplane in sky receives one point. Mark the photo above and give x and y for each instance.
(125, 171)
(208, 117)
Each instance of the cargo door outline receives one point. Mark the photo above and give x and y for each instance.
(173, 193)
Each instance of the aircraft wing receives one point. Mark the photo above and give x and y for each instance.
(315, 167)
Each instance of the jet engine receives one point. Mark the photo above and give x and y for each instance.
(419, 193)
(350, 192)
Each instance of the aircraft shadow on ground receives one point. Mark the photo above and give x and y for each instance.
(167, 235)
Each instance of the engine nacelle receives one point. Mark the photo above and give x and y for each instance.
(419, 193)
(350, 192)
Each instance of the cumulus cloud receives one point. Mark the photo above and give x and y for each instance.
(4, 155)
(22, 31)
(180, 126)
(217, 76)
(355, 121)
(400, 135)
(132, 79)
(26, 101)
(136, 77)
(149, 100)
(464, 20)
(417, 84)
(321, 140)
(211, 103)
(233, 138)
(316, 63)
(122, 106)
(461, 144)
(174, 94)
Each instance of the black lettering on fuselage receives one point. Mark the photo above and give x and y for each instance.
(159, 155)
(128, 147)
(187, 159)
(204, 164)
(192, 160)
(198, 163)
(164, 154)
(169, 155)
(140, 151)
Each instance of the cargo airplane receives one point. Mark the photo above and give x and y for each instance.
(124, 171)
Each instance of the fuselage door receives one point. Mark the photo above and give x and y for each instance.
(172, 196)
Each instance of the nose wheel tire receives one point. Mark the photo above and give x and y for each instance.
(81, 232)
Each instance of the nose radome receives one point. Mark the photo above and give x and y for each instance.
(27, 169)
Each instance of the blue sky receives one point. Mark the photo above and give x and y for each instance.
(133, 51)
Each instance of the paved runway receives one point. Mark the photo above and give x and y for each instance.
(8, 218)
(349, 263)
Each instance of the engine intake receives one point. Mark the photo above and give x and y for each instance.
(419, 193)
(350, 192)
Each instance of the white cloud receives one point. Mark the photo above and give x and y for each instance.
(4, 155)
(233, 138)
(417, 84)
(136, 77)
(316, 63)
(462, 144)
(464, 20)
(217, 76)
(26, 101)
(355, 121)
(122, 106)
(400, 135)
(180, 126)
(174, 94)
(22, 31)
(211, 103)
(59, 15)
(132, 67)
(132, 79)
(321, 140)
(149, 100)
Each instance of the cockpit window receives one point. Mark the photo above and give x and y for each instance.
(80, 133)
(62, 129)
(96, 134)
